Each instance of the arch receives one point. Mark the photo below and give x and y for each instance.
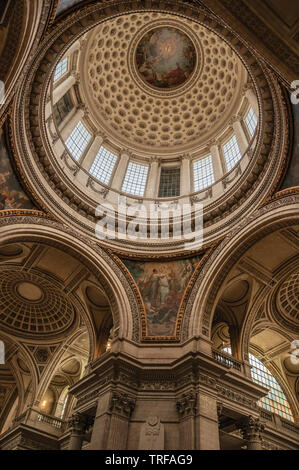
(20, 397)
(280, 212)
(34, 226)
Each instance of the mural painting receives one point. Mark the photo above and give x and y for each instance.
(165, 57)
(11, 194)
(162, 286)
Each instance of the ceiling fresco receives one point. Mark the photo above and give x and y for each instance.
(165, 57)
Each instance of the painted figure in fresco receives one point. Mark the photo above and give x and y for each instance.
(162, 288)
(165, 57)
(152, 289)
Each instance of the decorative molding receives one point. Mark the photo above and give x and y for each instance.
(186, 405)
(122, 404)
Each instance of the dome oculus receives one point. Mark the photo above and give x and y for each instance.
(165, 57)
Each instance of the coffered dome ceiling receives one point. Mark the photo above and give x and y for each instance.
(158, 83)
(285, 304)
(32, 304)
(159, 90)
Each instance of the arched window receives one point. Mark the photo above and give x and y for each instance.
(275, 401)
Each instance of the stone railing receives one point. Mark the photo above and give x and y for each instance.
(227, 360)
(36, 419)
(55, 422)
(273, 420)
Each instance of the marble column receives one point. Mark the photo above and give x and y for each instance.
(121, 408)
(63, 88)
(110, 430)
(67, 129)
(251, 429)
(70, 124)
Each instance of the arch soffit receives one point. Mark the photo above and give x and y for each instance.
(122, 293)
(280, 212)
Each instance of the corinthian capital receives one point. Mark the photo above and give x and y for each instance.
(186, 405)
(251, 428)
(122, 404)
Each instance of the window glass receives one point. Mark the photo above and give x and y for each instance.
(203, 173)
(170, 182)
(251, 122)
(62, 108)
(103, 165)
(275, 401)
(135, 179)
(61, 69)
(232, 153)
(78, 141)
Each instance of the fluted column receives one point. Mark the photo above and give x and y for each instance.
(76, 423)
(186, 407)
(207, 426)
(110, 430)
(151, 189)
(217, 160)
(251, 429)
(240, 134)
(92, 152)
(185, 175)
(121, 408)
(120, 170)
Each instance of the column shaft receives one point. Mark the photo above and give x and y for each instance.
(185, 176)
(70, 124)
(63, 88)
(151, 190)
(92, 152)
(120, 171)
(207, 428)
(217, 162)
(241, 136)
